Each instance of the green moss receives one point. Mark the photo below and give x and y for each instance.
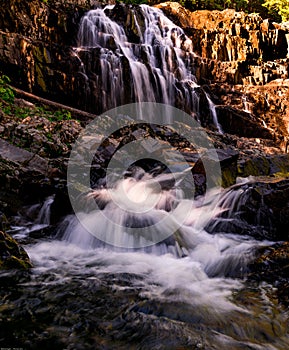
(40, 78)
(12, 255)
(15, 263)
(255, 167)
(228, 178)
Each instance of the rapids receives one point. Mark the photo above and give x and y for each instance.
(188, 290)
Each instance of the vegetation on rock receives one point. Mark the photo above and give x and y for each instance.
(276, 10)
(12, 255)
(6, 92)
(278, 7)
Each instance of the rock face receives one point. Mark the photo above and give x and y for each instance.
(255, 111)
(243, 47)
(35, 44)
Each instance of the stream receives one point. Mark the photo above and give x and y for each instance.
(188, 291)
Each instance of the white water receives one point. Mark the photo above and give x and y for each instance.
(158, 277)
(172, 225)
(246, 106)
(214, 115)
(191, 266)
(156, 69)
(41, 221)
(45, 212)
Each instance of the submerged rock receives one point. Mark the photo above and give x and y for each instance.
(12, 255)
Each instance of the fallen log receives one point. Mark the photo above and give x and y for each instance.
(75, 113)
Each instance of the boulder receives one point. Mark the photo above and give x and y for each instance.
(258, 208)
(255, 111)
(12, 255)
(241, 123)
(206, 168)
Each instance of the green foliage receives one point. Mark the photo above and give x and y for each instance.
(239, 5)
(278, 8)
(6, 92)
(24, 112)
(62, 115)
(274, 9)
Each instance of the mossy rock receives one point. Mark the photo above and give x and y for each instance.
(277, 165)
(12, 255)
(259, 166)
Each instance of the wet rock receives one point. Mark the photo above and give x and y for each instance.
(272, 265)
(207, 166)
(277, 165)
(252, 111)
(241, 123)
(12, 255)
(260, 210)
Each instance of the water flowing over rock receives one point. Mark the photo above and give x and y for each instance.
(224, 52)
(261, 210)
(139, 56)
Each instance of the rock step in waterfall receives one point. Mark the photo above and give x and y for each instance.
(152, 61)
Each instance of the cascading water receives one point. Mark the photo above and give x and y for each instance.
(152, 63)
(39, 218)
(186, 291)
(214, 115)
(157, 202)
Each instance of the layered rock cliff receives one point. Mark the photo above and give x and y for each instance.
(35, 44)
(240, 59)
(244, 48)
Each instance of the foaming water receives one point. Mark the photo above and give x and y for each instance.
(189, 285)
(152, 214)
(158, 277)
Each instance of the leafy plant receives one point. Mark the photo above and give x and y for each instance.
(62, 115)
(278, 8)
(6, 92)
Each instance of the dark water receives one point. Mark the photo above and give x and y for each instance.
(98, 299)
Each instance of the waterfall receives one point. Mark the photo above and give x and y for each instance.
(246, 106)
(214, 115)
(44, 212)
(152, 64)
